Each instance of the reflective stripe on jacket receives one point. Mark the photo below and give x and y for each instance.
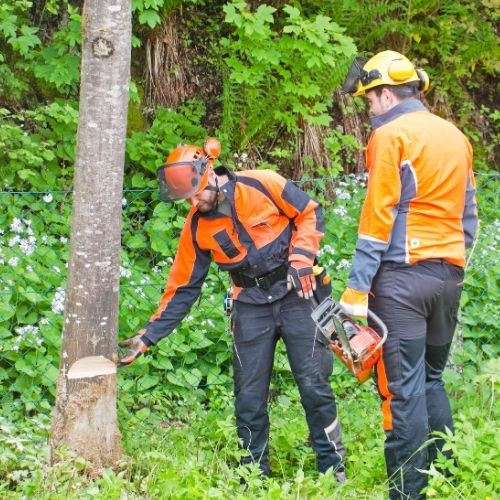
(272, 222)
(420, 202)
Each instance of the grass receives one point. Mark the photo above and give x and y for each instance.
(188, 450)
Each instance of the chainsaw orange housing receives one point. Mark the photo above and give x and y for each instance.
(365, 356)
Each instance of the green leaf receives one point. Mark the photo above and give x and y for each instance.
(192, 376)
(137, 241)
(149, 17)
(143, 413)
(147, 381)
(6, 311)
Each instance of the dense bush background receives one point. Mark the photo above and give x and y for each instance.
(263, 78)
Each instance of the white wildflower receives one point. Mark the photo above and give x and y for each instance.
(17, 226)
(125, 273)
(26, 330)
(340, 211)
(342, 195)
(57, 305)
(14, 241)
(63, 240)
(13, 261)
(124, 202)
(28, 245)
(343, 264)
(48, 198)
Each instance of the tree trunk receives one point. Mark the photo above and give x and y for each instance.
(84, 418)
(352, 125)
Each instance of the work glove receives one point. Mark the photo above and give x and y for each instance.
(354, 303)
(301, 277)
(135, 348)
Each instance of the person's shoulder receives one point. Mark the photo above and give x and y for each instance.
(261, 175)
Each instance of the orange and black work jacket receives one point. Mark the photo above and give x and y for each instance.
(420, 202)
(272, 222)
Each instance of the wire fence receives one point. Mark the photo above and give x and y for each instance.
(34, 240)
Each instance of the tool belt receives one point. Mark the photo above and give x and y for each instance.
(264, 281)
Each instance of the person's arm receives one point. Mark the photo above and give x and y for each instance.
(383, 159)
(470, 219)
(308, 228)
(188, 272)
(187, 275)
(305, 214)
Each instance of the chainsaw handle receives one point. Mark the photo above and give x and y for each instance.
(381, 325)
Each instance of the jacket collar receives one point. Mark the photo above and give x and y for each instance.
(404, 107)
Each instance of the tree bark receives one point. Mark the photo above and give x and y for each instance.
(84, 418)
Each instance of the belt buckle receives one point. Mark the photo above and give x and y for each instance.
(260, 281)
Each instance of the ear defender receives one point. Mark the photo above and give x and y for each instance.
(400, 70)
(212, 148)
(423, 80)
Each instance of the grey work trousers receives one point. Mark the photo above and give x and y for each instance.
(419, 305)
(256, 330)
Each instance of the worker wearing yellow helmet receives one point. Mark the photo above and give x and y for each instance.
(417, 220)
(385, 68)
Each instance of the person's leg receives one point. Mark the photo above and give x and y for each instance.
(402, 300)
(440, 329)
(438, 405)
(311, 363)
(254, 341)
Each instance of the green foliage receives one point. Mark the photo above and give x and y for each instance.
(59, 63)
(455, 42)
(33, 252)
(187, 449)
(481, 291)
(170, 128)
(37, 147)
(17, 39)
(279, 67)
(279, 72)
(474, 473)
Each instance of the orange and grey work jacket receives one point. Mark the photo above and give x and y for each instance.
(420, 202)
(272, 222)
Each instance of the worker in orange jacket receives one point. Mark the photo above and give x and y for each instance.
(266, 232)
(418, 218)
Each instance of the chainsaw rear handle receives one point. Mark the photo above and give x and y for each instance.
(317, 316)
(382, 327)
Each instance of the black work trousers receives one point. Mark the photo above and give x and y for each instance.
(419, 305)
(256, 330)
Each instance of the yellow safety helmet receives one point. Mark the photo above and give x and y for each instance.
(385, 68)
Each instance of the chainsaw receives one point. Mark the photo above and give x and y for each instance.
(357, 346)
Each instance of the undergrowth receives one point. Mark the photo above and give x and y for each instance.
(195, 454)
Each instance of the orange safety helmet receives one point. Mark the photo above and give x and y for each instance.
(185, 172)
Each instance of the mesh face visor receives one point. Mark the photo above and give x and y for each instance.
(181, 180)
(354, 75)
